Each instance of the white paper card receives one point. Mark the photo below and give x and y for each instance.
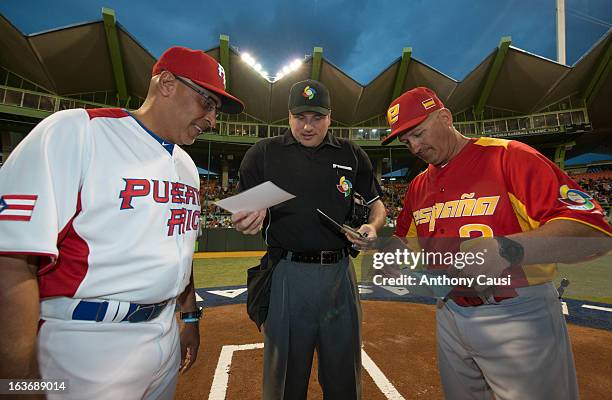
(262, 196)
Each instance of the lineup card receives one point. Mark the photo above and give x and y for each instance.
(262, 196)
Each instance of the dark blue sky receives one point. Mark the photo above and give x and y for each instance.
(359, 36)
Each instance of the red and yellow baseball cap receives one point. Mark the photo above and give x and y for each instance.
(409, 110)
(202, 69)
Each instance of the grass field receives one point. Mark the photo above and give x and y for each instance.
(591, 281)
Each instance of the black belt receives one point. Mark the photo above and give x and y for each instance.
(324, 257)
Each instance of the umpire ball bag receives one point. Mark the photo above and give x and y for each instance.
(259, 283)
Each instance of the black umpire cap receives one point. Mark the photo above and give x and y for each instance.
(309, 95)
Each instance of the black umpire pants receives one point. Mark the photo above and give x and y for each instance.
(312, 307)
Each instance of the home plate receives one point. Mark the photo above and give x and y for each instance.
(230, 293)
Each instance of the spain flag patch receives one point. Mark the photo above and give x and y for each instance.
(427, 104)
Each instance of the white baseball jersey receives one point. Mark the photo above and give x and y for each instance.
(112, 209)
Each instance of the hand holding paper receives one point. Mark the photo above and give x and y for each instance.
(257, 198)
(249, 207)
(249, 222)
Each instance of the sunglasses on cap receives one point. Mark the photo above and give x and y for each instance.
(210, 103)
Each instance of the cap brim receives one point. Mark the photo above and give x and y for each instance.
(301, 109)
(229, 103)
(403, 128)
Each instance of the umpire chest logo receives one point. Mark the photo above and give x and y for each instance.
(345, 186)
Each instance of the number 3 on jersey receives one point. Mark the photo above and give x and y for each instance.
(466, 230)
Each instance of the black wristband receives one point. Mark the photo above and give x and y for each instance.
(510, 250)
(192, 314)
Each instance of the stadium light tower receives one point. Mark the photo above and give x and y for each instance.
(252, 62)
(561, 31)
(292, 66)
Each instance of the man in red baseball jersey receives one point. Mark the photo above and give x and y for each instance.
(506, 200)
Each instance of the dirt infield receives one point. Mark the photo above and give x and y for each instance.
(398, 337)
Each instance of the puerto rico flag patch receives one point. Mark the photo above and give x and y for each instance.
(17, 207)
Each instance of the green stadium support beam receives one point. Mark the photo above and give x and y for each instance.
(502, 50)
(317, 56)
(224, 60)
(560, 149)
(112, 39)
(560, 156)
(599, 76)
(400, 77)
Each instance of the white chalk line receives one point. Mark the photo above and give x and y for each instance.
(385, 386)
(220, 382)
(218, 389)
(597, 308)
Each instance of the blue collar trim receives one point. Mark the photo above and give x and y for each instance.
(165, 144)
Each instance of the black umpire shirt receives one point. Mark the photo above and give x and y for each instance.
(314, 176)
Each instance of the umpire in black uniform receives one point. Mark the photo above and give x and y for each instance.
(314, 299)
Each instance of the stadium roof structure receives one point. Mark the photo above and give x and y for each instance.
(103, 56)
(204, 171)
(398, 173)
(79, 58)
(589, 158)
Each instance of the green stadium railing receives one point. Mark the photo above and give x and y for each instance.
(27, 102)
(42, 102)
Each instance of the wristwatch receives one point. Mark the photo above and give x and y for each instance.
(510, 250)
(192, 317)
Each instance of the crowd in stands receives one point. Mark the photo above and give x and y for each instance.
(597, 183)
(216, 217)
(600, 187)
(213, 216)
(393, 197)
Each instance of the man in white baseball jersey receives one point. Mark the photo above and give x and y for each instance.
(99, 212)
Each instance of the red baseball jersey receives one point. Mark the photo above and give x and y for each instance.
(495, 187)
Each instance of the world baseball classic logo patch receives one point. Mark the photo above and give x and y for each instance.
(17, 207)
(575, 199)
(344, 186)
(309, 93)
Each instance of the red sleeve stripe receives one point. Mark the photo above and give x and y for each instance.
(20, 207)
(15, 217)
